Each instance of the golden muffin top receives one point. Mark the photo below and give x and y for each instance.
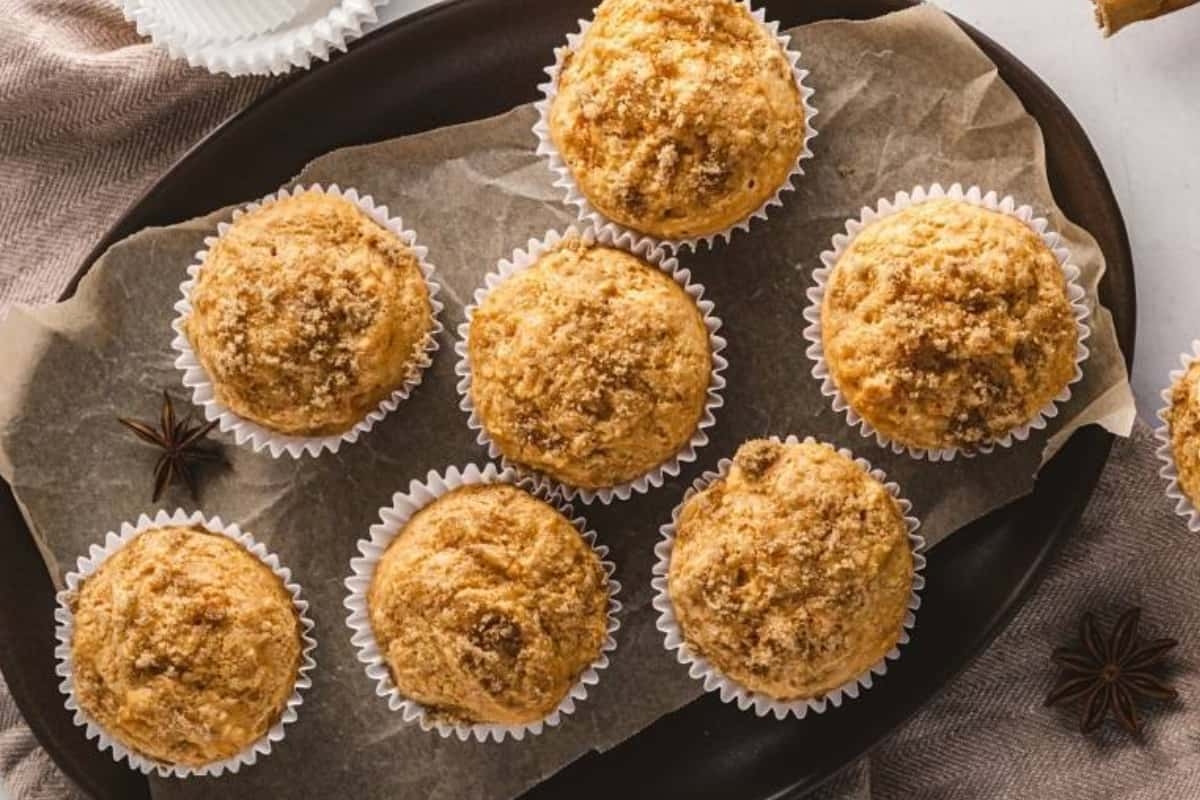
(591, 366)
(1183, 419)
(307, 314)
(792, 574)
(488, 606)
(186, 647)
(948, 325)
(677, 119)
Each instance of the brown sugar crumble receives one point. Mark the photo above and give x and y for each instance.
(307, 314)
(591, 366)
(488, 606)
(677, 119)
(186, 647)
(1183, 420)
(793, 573)
(948, 325)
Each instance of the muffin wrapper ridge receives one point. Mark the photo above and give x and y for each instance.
(886, 207)
(213, 20)
(97, 555)
(312, 31)
(730, 690)
(258, 437)
(646, 249)
(590, 214)
(1166, 454)
(392, 520)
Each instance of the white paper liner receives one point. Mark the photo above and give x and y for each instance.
(213, 20)
(393, 518)
(902, 200)
(589, 213)
(258, 437)
(63, 615)
(1166, 454)
(730, 690)
(321, 28)
(646, 249)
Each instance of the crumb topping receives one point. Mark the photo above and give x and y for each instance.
(677, 119)
(186, 647)
(948, 325)
(307, 314)
(792, 574)
(1183, 418)
(488, 606)
(591, 365)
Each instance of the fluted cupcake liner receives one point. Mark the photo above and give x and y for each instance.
(64, 631)
(886, 207)
(1166, 453)
(590, 214)
(730, 690)
(245, 432)
(393, 518)
(646, 249)
(315, 32)
(213, 20)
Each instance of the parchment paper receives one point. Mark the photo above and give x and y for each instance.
(906, 99)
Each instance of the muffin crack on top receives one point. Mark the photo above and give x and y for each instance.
(591, 365)
(307, 314)
(948, 325)
(677, 119)
(488, 606)
(185, 647)
(792, 574)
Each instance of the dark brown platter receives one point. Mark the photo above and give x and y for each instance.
(467, 59)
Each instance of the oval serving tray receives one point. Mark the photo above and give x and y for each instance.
(467, 59)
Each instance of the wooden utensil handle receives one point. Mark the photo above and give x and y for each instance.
(1113, 15)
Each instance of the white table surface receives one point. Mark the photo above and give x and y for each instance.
(1138, 96)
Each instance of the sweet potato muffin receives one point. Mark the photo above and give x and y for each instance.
(488, 606)
(677, 119)
(946, 325)
(186, 647)
(1183, 419)
(307, 314)
(792, 574)
(591, 366)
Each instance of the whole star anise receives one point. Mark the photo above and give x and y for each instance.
(180, 443)
(1110, 675)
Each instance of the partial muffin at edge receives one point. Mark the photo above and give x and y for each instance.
(677, 119)
(1183, 420)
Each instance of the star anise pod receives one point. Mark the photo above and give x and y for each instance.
(180, 443)
(1110, 675)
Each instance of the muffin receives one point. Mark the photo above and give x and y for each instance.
(186, 647)
(946, 325)
(306, 314)
(591, 366)
(793, 573)
(677, 119)
(1183, 421)
(488, 606)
